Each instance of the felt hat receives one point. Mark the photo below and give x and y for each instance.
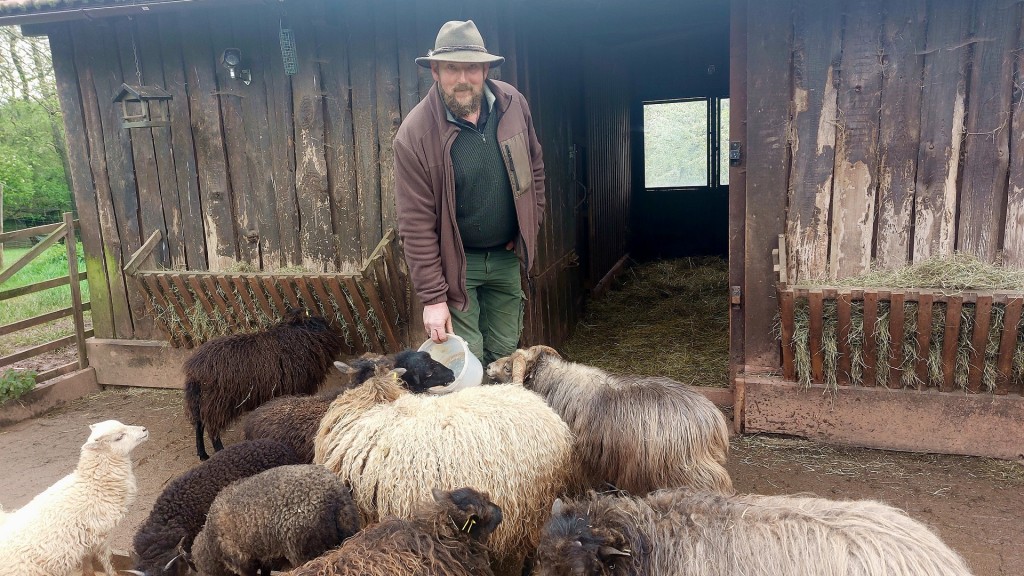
(459, 41)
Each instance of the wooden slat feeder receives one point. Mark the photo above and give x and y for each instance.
(192, 307)
(971, 341)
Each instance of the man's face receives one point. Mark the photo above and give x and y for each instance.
(462, 85)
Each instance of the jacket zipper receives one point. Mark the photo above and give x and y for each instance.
(512, 168)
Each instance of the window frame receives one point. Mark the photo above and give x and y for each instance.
(714, 145)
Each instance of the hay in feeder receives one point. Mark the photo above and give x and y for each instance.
(951, 275)
(665, 318)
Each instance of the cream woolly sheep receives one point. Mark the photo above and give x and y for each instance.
(705, 534)
(279, 518)
(62, 528)
(637, 433)
(393, 447)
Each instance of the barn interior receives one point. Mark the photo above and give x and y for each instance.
(652, 54)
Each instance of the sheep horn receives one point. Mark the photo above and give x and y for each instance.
(343, 368)
(520, 362)
(557, 507)
(136, 572)
(609, 551)
(536, 351)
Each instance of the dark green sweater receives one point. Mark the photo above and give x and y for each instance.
(485, 209)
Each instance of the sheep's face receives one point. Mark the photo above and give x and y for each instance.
(115, 437)
(518, 367)
(572, 545)
(471, 511)
(422, 371)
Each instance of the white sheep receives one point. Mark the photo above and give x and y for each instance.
(637, 433)
(63, 528)
(393, 448)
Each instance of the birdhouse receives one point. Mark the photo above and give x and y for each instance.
(136, 111)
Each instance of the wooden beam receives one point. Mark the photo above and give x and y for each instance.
(76, 291)
(40, 349)
(133, 264)
(40, 319)
(29, 232)
(906, 420)
(36, 287)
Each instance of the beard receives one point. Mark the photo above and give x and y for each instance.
(459, 109)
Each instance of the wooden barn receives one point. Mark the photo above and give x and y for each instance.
(230, 157)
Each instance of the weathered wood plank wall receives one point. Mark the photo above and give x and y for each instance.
(904, 131)
(284, 171)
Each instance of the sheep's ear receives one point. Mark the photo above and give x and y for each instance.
(439, 495)
(557, 507)
(398, 372)
(607, 551)
(536, 351)
(343, 368)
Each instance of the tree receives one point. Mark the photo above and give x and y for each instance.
(33, 158)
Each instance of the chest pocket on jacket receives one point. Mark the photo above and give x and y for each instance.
(517, 161)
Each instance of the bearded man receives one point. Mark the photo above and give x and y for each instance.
(469, 194)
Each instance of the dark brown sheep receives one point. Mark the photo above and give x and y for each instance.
(294, 420)
(443, 538)
(232, 374)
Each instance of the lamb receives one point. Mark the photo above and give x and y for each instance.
(393, 447)
(703, 533)
(444, 537)
(637, 433)
(232, 374)
(279, 518)
(60, 531)
(294, 420)
(180, 511)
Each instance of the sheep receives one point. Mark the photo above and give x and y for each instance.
(700, 533)
(180, 511)
(231, 374)
(392, 447)
(294, 420)
(637, 433)
(422, 371)
(444, 537)
(279, 518)
(60, 531)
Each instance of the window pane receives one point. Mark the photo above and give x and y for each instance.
(676, 144)
(723, 139)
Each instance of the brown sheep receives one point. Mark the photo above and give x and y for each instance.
(706, 534)
(442, 538)
(232, 374)
(637, 433)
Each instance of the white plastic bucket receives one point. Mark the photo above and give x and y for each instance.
(454, 353)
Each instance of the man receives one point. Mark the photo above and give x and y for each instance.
(469, 191)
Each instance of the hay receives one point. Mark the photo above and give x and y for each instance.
(951, 275)
(665, 318)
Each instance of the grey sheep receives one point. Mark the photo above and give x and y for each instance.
(706, 534)
(294, 420)
(276, 519)
(180, 511)
(637, 433)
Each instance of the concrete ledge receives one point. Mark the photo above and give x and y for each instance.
(905, 420)
(49, 395)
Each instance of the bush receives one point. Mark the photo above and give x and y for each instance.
(15, 383)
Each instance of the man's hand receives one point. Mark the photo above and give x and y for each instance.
(437, 321)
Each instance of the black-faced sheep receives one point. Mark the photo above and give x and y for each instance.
(232, 374)
(294, 420)
(393, 447)
(276, 519)
(707, 534)
(637, 433)
(444, 537)
(180, 511)
(60, 531)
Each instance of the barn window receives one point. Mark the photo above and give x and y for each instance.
(682, 143)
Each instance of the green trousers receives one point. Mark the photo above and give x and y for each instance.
(493, 321)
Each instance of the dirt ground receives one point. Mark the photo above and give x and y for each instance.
(976, 504)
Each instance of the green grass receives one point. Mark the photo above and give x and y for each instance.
(52, 263)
